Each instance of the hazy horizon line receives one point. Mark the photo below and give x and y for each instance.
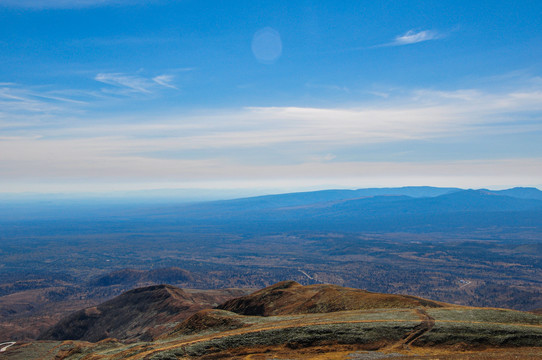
(196, 194)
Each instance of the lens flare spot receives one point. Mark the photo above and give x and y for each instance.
(267, 45)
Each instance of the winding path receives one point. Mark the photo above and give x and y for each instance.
(427, 324)
(6, 345)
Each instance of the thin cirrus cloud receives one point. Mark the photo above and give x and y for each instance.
(21, 102)
(428, 115)
(23, 105)
(414, 37)
(258, 143)
(165, 80)
(134, 83)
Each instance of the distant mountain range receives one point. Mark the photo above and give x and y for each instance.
(384, 209)
(325, 196)
(417, 209)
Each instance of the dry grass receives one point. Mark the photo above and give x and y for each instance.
(417, 329)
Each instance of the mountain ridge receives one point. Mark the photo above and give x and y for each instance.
(295, 321)
(469, 209)
(138, 314)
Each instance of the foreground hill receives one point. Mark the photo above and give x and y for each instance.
(139, 314)
(289, 297)
(30, 306)
(291, 321)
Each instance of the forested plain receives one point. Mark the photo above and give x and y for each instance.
(56, 263)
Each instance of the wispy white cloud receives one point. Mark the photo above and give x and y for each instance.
(17, 101)
(129, 82)
(135, 83)
(428, 115)
(259, 143)
(425, 114)
(164, 80)
(50, 107)
(414, 37)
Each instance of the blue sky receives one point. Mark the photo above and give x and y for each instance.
(99, 95)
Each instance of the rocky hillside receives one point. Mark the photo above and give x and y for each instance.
(138, 314)
(290, 297)
(289, 321)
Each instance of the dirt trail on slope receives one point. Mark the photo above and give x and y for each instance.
(419, 330)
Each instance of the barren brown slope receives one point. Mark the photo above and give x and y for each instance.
(289, 297)
(321, 319)
(139, 314)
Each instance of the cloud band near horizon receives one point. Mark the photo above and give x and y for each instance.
(256, 144)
